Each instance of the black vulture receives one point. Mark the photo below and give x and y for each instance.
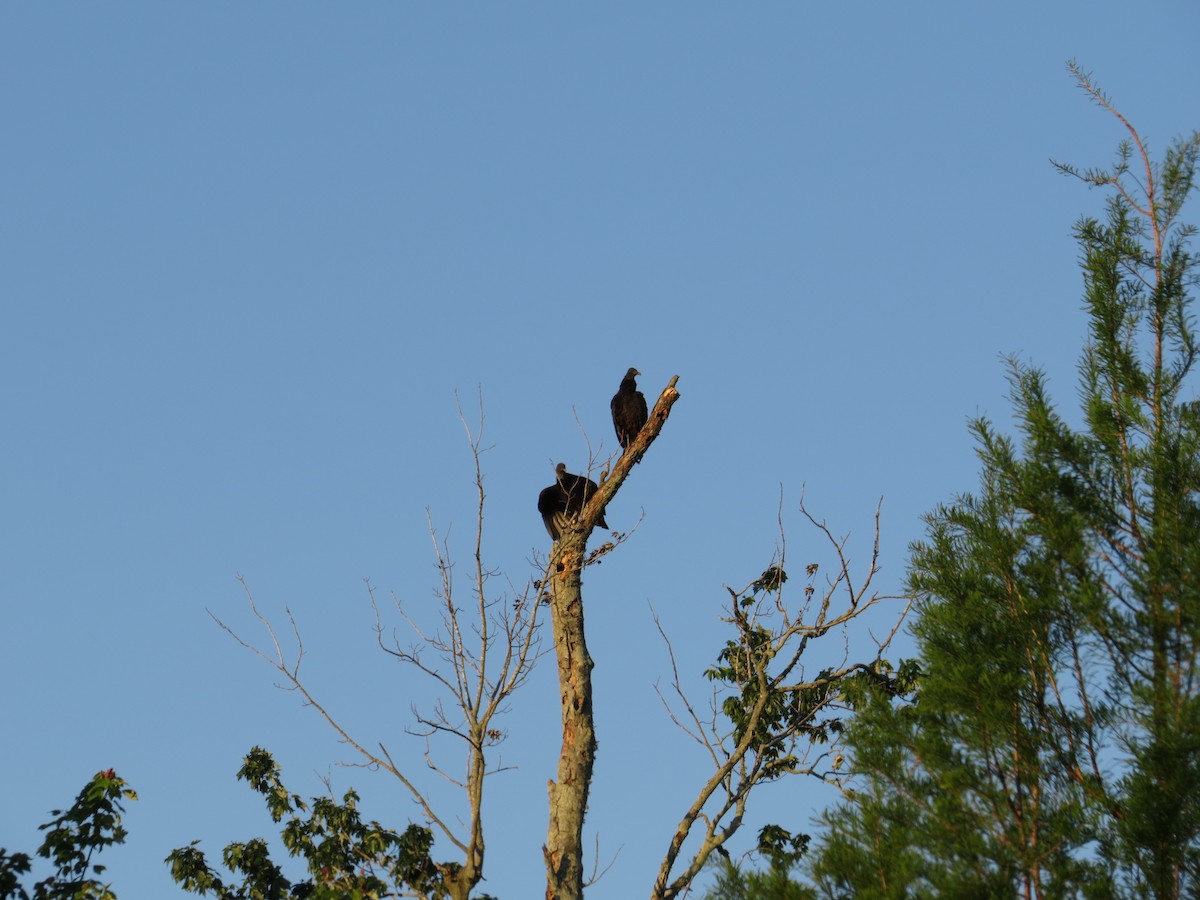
(628, 409)
(564, 500)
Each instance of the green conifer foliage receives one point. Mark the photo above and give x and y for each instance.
(1052, 747)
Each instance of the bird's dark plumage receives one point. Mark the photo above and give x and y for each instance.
(628, 409)
(564, 500)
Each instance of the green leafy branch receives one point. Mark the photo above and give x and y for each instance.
(766, 715)
(344, 857)
(73, 838)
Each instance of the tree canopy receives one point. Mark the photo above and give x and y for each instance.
(1052, 745)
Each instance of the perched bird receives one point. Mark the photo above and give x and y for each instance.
(628, 409)
(562, 502)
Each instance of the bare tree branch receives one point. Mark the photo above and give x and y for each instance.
(478, 656)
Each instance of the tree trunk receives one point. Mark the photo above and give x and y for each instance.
(569, 795)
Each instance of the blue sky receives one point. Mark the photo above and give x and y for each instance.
(250, 252)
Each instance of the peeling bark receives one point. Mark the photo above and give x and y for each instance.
(563, 851)
(569, 794)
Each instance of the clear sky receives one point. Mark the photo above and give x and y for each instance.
(250, 252)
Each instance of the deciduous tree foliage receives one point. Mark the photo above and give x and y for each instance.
(342, 856)
(1052, 748)
(74, 838)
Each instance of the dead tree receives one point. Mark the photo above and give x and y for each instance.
(483, 651)
(761, 723)
(563, 851)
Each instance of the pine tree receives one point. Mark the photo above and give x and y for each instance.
(1052, 747)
